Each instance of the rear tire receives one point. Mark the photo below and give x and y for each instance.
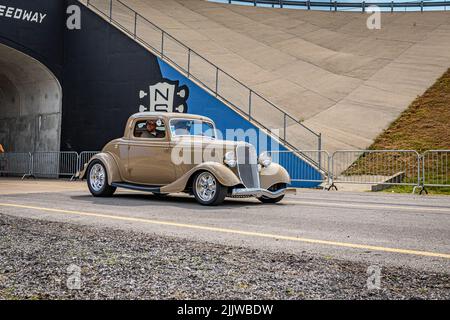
(97, 180)
(207, 190)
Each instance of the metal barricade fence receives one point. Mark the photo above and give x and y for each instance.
(16, 164)
(300, 170)
(85, 157)
(53, 164)
(436, 168)
(387, 167)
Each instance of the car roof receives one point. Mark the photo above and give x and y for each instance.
(169, 115)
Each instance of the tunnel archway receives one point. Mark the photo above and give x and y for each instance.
(30, 104)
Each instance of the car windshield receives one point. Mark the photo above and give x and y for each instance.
(191, 127)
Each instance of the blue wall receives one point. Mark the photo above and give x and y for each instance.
(202, 103)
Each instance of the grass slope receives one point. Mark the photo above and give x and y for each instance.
(425, 125)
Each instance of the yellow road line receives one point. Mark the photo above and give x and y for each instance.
(232, 231)
(368, 206)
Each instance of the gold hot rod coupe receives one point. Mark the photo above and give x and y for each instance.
(167, 153)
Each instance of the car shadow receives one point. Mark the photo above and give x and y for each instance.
(137, 199)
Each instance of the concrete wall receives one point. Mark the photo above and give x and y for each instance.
(30, 104)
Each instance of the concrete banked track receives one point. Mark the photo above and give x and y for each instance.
(326, 68)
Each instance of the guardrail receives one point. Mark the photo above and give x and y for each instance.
(332, 5)
(54, 164)
(84, 158)
(16, 163)
(387, 167)
(436, 168)
(374, 167)
(250, 104)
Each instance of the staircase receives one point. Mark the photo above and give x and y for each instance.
(239, 97)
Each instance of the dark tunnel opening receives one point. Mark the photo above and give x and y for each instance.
(30, 104)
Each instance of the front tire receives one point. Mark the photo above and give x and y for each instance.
(97, 180)
(274, 188)
(207, 190)
(271, 200)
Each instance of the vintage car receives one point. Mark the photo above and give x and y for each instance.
(182, 154)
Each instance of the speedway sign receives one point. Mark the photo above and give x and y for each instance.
(21, 14)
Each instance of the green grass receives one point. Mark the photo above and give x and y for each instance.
(424, 125)
(409, 189)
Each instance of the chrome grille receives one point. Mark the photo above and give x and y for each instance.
(247, 164)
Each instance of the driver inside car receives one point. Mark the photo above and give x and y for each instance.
(151, 131)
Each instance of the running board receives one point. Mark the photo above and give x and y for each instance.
(136, 187)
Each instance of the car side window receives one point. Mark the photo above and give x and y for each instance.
(150, 129)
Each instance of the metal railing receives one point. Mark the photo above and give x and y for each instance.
(371, 167)
(387, 167)
(85, 157)
(436, 168)
(16, 164)
(332, 5)
(248, 103)
(45, 164)
(54, 164)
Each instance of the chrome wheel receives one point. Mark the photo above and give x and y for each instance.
(206, 186)
(97, 177)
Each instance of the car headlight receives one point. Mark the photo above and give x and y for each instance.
(265, 159)
(230, 159)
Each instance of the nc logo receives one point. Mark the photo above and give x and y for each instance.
(166, 96)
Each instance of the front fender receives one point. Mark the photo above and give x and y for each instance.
(222, 173)
(273, 174)
(111, 167)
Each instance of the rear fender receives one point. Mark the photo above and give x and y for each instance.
(110, 164)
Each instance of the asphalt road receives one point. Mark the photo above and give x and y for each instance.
(373, 228)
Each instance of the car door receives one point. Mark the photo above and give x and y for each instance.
(149, 159)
